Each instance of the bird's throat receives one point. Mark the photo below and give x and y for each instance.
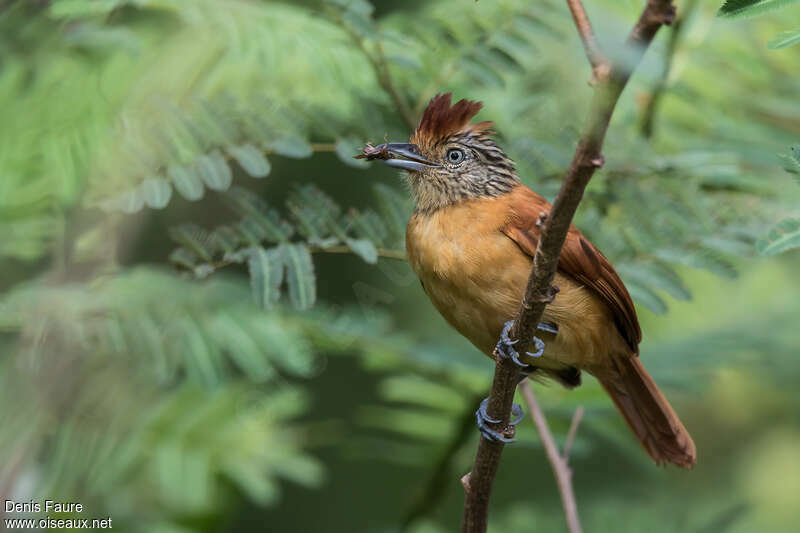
(433, 191)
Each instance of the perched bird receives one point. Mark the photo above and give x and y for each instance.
(471, 241)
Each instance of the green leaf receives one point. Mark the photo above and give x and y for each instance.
(251, 159)
(656, 275)
(368, 225)
(363, 249)
(251, 231)
(229, 331)
(395, 208)
(483, 72)
(713, 262)
(200, 354)
(357, 6)
(299, 275)
(186, 181)
(253, 483)
(300, 469)
(750, 8)
(348, 147)
(128, 202)
(213, 125)
(646, 297)
(131, 202)
(784, 39)
(225, 239)
(287, 347)
(157, 192)
(293, 147)
(784, 236)
(704, 258)
(266, 274)
(150, 338)
(357, 15)
(316, 214)
(418, 390)
(183, 258)
(214, 171)
(193, 238)
(275, 229)
(83, 8)
(791, 162)
(513, 45)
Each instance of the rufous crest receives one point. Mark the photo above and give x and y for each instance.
(441, 120)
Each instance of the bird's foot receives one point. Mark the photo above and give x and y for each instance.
(483, 418)
(505, 346)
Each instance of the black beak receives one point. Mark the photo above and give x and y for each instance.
(405, 156)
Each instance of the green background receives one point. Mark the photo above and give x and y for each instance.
(182, 355)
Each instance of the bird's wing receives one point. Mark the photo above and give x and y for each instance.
(579, 259)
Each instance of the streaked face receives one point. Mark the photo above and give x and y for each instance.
(461, 166)
(449, 159)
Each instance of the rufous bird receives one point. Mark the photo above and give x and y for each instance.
(471, 240)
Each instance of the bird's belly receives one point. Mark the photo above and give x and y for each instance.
(477, 286)
(476, 310)
(479, 315)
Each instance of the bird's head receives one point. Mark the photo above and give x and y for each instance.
(448, 159)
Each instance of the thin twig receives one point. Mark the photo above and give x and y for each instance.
(380, 65)
(385, 80)
(573, 430)
(539, 290)
(651, 107)
(323, 147)
(386, 253)
(561, 469)
(599, 62)
(315, 148)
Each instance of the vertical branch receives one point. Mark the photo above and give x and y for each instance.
(381, 67)
(561, 469)
(539, 290)
(661, 87)
(600, 64)
(573, 430)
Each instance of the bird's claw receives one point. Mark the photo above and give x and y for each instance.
(505, 349)
(539, 344)
(484, 419)
(505, 346)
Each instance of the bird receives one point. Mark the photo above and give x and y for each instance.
(471, 241)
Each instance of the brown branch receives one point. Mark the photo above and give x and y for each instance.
(561, 469)
(601, 66)
(539, 290)
(573, 430)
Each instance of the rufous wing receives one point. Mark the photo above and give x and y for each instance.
(579, 259)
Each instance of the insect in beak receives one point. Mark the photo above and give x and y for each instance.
(398, 155)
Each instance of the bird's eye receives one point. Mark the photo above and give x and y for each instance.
(455, 156)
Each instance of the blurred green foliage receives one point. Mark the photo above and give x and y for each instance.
(189, 252)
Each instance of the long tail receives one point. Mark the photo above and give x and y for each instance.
(648, 413)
